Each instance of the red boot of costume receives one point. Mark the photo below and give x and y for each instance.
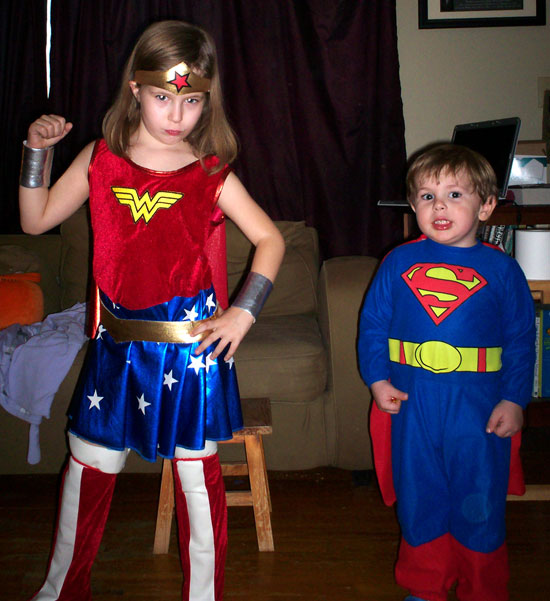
(202, 526)
(429, 570)
(482, 576)
(84, 505)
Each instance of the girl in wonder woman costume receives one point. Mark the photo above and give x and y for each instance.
(159, 377)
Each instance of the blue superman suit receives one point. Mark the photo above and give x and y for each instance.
(454, 328)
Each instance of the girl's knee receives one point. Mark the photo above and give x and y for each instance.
(210, 448)
(96, 456)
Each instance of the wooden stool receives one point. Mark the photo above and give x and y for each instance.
(257, 422)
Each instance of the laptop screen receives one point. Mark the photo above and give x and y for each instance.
(496, 141)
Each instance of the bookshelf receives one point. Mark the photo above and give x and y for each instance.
(537, 413)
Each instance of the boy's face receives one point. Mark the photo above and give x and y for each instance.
(448, 210)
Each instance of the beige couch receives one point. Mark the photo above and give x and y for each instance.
(300, 353)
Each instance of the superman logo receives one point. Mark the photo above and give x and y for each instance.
(145, 207)
(442, 288)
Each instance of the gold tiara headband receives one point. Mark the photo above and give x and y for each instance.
(178, 80)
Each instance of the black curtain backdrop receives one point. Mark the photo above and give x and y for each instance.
(22, 93)
(311, 87)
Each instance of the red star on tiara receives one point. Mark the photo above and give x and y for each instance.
(180, 81)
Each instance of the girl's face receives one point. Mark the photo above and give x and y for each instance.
(168, 118)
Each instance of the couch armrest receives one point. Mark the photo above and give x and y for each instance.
(343, 282)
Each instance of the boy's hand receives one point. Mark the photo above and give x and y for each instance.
(388, 397)
(47, 130)
(230, 328)
(506, 419)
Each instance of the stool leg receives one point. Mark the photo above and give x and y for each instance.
(260, 491)
(165, 510)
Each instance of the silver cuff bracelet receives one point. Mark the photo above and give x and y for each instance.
(253, 294)
(36, 166)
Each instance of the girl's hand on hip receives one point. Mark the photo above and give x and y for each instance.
(230, 328)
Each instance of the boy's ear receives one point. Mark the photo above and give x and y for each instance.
(487, 208)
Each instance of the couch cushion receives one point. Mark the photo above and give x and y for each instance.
(75, 258)
(283, 358)
(295, 288)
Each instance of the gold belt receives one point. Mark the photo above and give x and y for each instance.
(442, 358)
(126, 330)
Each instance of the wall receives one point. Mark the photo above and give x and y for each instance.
(451, 76)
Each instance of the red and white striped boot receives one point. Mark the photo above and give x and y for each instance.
(85, 499)
(202, 525)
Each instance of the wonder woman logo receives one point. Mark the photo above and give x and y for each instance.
(442, 288)
(145, 207)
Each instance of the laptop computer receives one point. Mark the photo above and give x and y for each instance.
(496, 140)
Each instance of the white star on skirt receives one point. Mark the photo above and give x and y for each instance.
(95, 399)
(142, 403)
(169, 380)
(196, 364)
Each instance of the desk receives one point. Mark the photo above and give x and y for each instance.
(511, 214)
(540, 289)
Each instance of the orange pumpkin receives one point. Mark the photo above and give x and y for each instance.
(21, 299)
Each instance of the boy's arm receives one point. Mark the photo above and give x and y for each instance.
(518, 348)
(372, 344)
(518, 356)
(374, 325)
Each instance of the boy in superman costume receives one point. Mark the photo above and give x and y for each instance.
(446, 343)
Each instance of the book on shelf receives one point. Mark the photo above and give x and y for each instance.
(536, 383)
(499, 235)
(541, 382)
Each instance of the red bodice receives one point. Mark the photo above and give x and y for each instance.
(152, 231)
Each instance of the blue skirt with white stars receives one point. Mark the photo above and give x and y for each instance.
(151, 396)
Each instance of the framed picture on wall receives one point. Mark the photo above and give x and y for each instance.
(480, 13)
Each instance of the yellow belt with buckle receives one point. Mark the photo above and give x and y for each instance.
(126, 330)
(443, 358)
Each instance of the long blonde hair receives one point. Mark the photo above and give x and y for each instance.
(160, 47)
